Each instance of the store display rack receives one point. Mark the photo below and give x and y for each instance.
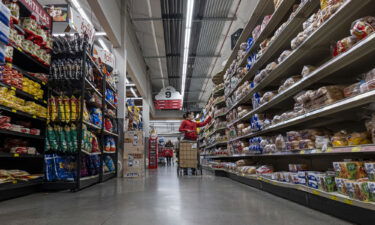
(348, 113)
(328, 202)
(81, 89)
(31, 163)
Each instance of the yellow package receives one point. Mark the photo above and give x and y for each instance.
(323, 4)
(60, 106)
(53, 110)
(357, 138)
(67, 110)
(74, 108)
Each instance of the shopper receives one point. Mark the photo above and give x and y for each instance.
(168, 152)
(189, 126)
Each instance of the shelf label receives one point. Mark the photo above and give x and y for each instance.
(315, 192)
(334, 197)
(35, 98)
(14, 182)
(356, 149)
(13, 110)
(13, 88)
(45, 101)
(16, 155)
(302, 152)
(329, 149)
(34, 117)
(44, 83)
(348, 201)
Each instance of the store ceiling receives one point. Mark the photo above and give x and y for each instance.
(163, 49)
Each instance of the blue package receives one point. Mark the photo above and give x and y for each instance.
(49, 168)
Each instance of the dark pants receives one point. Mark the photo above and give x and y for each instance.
(169, 161)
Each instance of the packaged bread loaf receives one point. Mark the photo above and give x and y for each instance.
(307, 70)
(363, 27)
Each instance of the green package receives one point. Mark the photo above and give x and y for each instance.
(52, 138)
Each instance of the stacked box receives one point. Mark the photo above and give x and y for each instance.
(188, 155)
(133, 157)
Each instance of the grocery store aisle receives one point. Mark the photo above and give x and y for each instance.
(160, 199)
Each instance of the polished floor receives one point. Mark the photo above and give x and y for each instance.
(161, 199)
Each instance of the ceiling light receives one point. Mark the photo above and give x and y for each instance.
(137, 98)
(104, 46)
(80, 10)
(71, 34)
(188, 23)
(130, 85)
(133, 92)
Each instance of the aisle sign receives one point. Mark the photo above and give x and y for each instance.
(38, 11)
(168, 98)
(81, 25)
(105, 56)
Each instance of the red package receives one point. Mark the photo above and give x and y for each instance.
(4, 119)
(344, 45)
(34, 131)
(363, 27)
(6, 126)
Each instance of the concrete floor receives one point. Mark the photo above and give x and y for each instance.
(162, 199)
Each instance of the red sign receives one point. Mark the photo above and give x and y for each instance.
(168, 104)
(37, 10)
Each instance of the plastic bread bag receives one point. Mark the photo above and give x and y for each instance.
(322, 142)
(280, 143)
(293, 136)
(267, 97)
(340, 139)
(352, 90)
(363, 27)
(307, 70)
(284, 55)
(343, 45)
(358, 138)
(309, 21)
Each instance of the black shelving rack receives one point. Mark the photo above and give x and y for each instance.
(24, 64)
(81, 87)
(114, 155)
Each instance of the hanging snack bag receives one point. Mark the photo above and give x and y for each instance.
(52, 138)
(73, 137)
(74, 108)
(68, 138)
(60, 103)
(53, 110)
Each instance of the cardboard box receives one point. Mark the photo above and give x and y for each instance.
(133, 155)
(188, 163)
(134, 167)
(134, 138)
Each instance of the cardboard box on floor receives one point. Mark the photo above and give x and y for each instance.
(134, 167)
(133, 139)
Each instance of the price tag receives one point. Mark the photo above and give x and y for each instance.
(44, 83)
(356, 149)
(334, 197)
(45, 101)
(16, 155)
(35, 98)
(329, 149)
(315, 192)
(34, 117)
(13, 88)
(19, 49)
(348, 201)
(14, 182)
(302, 152)
(13, 110)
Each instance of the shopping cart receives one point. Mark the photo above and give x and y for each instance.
(188, 158)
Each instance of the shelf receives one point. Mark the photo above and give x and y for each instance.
(112, 106)
(111, 87)
(21, 56)
(108, 175)
(16, 155)
(276, 19)
(90, 125)
(91, 153)
(110, 133)
(26, 74)
(220, 103)
(217, 144)
(19, 134)
(105, 152)
(261, 9)
(94, 63)
(88, 181)
(92, 87)
(20, 184)
(334, 196)
(282, 41)
(220, 115)
(25, 95)
(361, 149)
(20, 113)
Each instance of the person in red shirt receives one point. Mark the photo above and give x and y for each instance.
(189, 126)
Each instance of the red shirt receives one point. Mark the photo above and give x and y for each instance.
(190, 128)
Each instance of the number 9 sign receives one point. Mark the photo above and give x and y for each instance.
(168, 94)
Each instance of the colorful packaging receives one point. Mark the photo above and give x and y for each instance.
(370, 170)
(340, 184)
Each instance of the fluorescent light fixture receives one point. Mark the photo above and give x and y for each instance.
(104, 46)
(188, 23)
(71, 34)
(126, 80)
(138, 98)
(133, 92)
(80, 10)
(130, 85)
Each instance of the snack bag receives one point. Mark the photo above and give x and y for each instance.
(49, 168)
(74, 107)
(52, 138)
(68, 138)
(370, 170)
(67, 109)
(350, 190)
(340, 184)
(73, 137)
(355, 170)
(361, 191)
(363, 27)
(53, 110)
(371, 189)
(358, 138)
(61, 112)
